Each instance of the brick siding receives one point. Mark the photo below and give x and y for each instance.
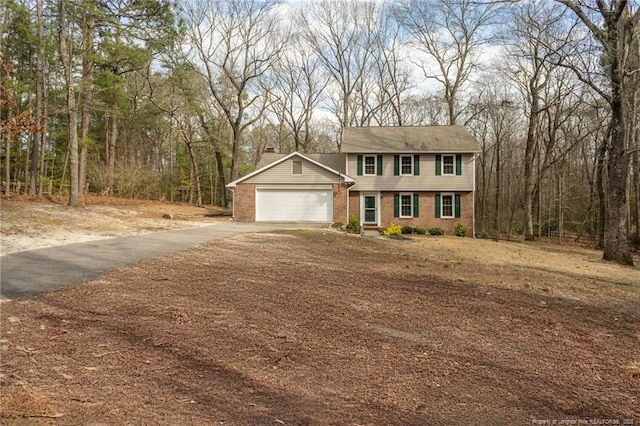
(244, 202)
(426, 217)
(340, 203)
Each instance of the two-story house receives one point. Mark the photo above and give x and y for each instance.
(415, 176)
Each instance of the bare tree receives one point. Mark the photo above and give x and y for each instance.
(299, 85)
(234, 44)
(392, 71)
(534, 24)
(613, 25)
(495, 126)
(451, 33)
(342, 34)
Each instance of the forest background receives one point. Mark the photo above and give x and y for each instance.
(172, 100)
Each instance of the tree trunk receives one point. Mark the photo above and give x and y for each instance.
(496, 218)
(87, 92)
(528, 163)
(111, 154)
(600, 185)
(221, 179)
(235, 151)
(617, 236)
(7, 161)
(196, 174)
(38, 135)
(72, 109)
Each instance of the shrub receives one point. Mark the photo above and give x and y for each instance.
(392, 230)
(461, 229)
(407, 229)
(436, 231)
(354, 223)
(420, 231)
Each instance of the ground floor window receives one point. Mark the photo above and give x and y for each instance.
(448, 205)
(405, 205)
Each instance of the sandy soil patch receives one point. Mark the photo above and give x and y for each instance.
(30, 223)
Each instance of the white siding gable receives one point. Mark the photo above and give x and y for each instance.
(282, 173)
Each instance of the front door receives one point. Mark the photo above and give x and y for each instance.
(370, 209)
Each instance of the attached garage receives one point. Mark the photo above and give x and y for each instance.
(293, 188)
(294, 205)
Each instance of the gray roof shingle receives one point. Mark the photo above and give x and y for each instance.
(408, 139)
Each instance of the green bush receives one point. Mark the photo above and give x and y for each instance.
(420, 231)
(436, 231)
(407, 230)
(392, 230)
(461, 229)
(354, 223)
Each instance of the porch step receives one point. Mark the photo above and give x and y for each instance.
(369, 232)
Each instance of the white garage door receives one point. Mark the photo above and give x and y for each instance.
(294, 205)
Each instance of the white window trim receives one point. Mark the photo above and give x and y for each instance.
(453, 205)
(364, 165)
(453, 158)
(410, 195)
(410, 164)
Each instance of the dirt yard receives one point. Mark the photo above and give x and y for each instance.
(321, 327)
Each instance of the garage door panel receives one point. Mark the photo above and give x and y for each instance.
(294, 205)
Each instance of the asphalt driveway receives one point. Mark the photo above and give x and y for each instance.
(32, 272)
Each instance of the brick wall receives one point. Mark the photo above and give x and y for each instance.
(354, 203)
(244, 202)
(426, 217)
(340, 203)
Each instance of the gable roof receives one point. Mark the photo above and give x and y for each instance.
(408, 139)
(335, 161)
(272, 159)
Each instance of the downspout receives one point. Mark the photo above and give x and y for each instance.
(346, 168)
(233, 204)
(346, 220)
(473, 206)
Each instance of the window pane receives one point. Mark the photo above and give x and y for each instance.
(369, 165)
(405, 206)
(370, 202)
(447, 164)
(370, 216)
(407, 165)
(447, 206)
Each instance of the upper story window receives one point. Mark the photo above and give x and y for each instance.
(406, 165)
(369, 165)
(448, 165)
(296, 167)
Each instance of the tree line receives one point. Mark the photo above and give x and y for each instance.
(153, 99)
